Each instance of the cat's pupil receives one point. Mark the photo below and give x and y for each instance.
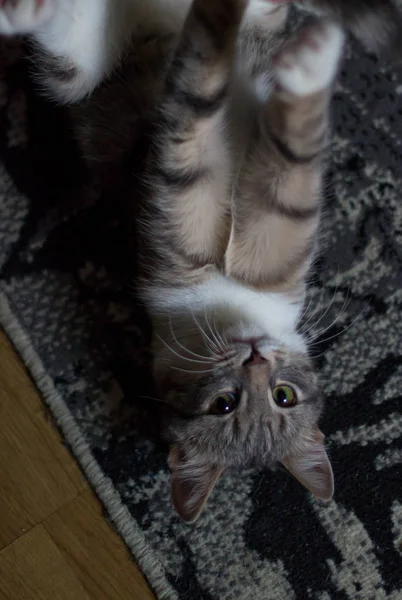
(224, 404)
(284, 396)
(281, 396)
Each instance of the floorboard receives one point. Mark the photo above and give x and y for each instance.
(55, 542)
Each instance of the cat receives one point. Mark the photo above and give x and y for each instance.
(231, 213)
(229, 239)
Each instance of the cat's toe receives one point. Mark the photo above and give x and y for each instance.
(310, 61)
(24, 16)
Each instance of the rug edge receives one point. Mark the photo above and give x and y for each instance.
(119, 515)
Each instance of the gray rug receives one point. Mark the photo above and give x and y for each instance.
(67, 306)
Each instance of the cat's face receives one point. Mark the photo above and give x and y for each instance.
(236, 398)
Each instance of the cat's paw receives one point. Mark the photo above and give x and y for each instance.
(24, 16)
(310, 61)
(266, 9)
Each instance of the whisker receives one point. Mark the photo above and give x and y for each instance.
(202, 357)
(213, 340)
(192, 360)
(152, 398)
(341, 313)
(195, 371)
(312, 315)
(217, 335)
(221, 337)
(340, 332)
(317, 356)
(324, 313)
(306, 309)
(212, 345)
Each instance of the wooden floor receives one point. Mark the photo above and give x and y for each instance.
(54, 542)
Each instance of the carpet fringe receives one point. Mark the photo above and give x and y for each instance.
(103, 487)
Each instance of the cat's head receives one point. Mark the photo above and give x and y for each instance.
(237, 396)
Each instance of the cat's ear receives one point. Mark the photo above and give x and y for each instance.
(192, 483)
(312, 468)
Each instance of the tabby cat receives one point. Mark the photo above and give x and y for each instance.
(231, 220)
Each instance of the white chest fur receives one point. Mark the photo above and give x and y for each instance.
(261, 313)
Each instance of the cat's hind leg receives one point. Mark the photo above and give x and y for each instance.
(77, 41)
(278, 201)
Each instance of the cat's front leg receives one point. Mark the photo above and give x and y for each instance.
(189, 173)
(77, 42)
(278, 202)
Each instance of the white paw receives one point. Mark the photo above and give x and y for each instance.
(24, 16)
(309, 63)
(258, 9)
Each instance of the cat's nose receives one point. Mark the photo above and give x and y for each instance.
(255, 358)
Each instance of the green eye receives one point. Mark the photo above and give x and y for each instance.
(284, 396)
(225, 403)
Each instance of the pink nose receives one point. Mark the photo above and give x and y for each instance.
(255, 358)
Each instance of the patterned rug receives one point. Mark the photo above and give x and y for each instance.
(68, 308)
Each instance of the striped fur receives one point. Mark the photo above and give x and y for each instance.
(228, 228)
